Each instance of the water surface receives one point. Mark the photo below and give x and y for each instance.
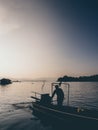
(15, 102)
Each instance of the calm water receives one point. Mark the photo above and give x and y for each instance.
(15, 102)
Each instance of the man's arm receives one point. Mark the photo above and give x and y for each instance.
(53, 94)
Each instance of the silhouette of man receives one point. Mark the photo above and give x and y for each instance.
(60, 95)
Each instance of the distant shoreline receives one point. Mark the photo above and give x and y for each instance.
(92, 78)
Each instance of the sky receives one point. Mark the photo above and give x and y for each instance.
(48, 38)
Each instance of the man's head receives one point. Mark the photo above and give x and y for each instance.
(56, 86)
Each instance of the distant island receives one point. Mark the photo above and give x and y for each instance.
(5, 81)
(92, 78)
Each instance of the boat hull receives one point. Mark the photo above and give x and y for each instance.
(66, 117)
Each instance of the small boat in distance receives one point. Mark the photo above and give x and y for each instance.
(65, 116)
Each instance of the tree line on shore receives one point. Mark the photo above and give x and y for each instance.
(92, 78)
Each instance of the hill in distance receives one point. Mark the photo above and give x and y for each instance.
(92, 78)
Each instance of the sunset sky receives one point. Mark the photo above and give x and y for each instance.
(48, 38)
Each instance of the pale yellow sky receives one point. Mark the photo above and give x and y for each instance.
(26, 51)
(32, 45)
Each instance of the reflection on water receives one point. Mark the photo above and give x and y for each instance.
(84, 94)
(80, 92)
(15, 102)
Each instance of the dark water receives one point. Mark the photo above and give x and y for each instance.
(15, 103)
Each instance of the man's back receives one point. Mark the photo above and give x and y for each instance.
(60, 93)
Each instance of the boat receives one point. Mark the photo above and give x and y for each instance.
(65, 116)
